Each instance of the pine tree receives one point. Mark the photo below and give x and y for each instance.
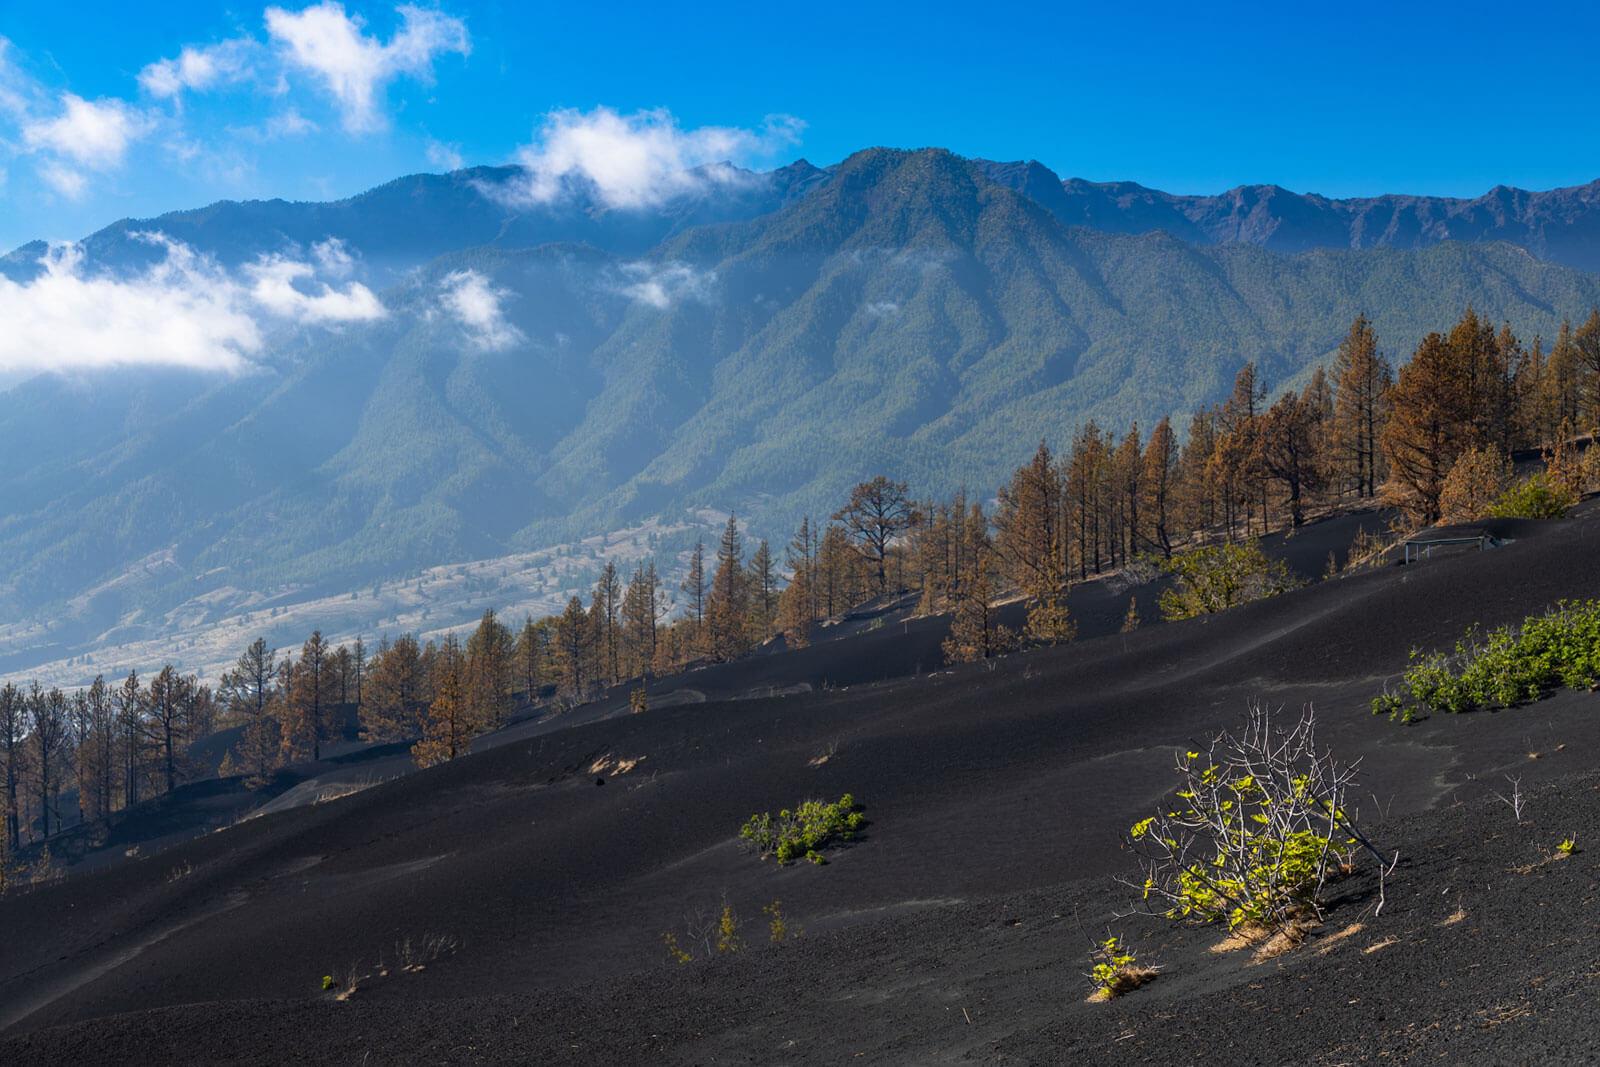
(248, 689)
(1473, 483)
(878, 512)
(761, 581)
(171, 718)
(533, 657)
(725, 611)
(1288, 434)
(1362, 380)
(834, 580)
(1159, 482)
(396, 692)
(642, 610)
(974, 633)
(358, 663)
(1032, 545)
(47, 736)
(572, 650)
(450, 723)
(13, 735)
(489, 671)
(1586, 350)
(694, 586)
(130, 713)
(608, 605)
(1428, 426)
(306, 719)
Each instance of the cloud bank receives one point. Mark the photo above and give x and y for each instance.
(642, 159)
(184, 311)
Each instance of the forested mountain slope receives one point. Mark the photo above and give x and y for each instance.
(901, 312)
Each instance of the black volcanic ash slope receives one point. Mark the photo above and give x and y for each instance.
(995, 797)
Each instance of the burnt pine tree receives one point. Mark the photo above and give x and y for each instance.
(310, 694)
(1427, 429)
(13, 734)
(762, 582)
(877, 512)
(450, 723)
(1159, 481)
(694, 587)
(725, 611)
(47, 732)
(489, 670)
(1031, 542)
(1362, 380)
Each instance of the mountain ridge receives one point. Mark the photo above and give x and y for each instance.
(901, 313)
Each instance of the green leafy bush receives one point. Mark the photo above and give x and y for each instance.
(1209, 580)
(1513, 665)
(1536, 497)
(1256, 828)
(805, 831)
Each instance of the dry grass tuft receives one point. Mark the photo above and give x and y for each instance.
(1377, 946)
(1126, 979)
(1242, 936)
(614, 765)
(1334, 940)
(1457, 916)
(1288, 938)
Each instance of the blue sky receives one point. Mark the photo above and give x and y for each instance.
(103, 115)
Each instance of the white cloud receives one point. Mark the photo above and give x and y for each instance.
(198, 69)
(883, 308)
(353, 66)
(446, 157)
(285, 287)
(663, 284)
(473, 302)
(179, 313)
(289, 123)
(64, 180)
(333, 258)
(184, 311)
(15, 86)
(638, 160)
(89, 133)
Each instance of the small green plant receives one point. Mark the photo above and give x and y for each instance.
(675, 951)
(1567, 846)
(327, 982)
(1209, 580)
(805, 831)
(1536, 497)
(728, 939)
(1512, 665)
(777, 924)
(1115, 969)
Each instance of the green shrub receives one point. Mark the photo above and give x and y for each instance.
(805, 831)
(1536, 497)
(1257, 826)
(1209, 580)
(1513, 665)
(1115, 969)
